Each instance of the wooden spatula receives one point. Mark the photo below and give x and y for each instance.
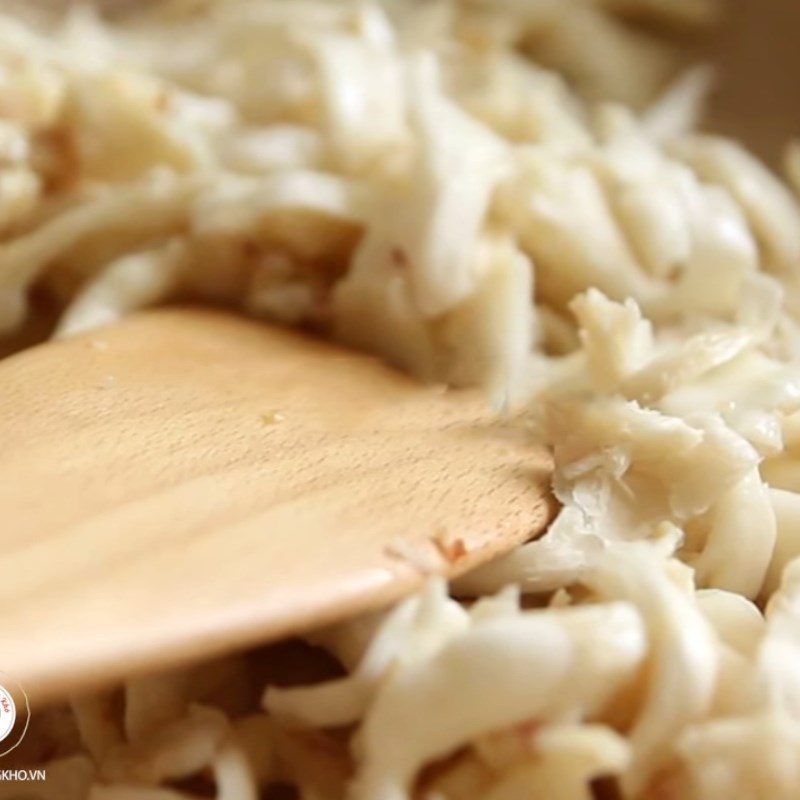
(187, 482)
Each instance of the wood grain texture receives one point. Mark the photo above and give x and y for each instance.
(187, 483)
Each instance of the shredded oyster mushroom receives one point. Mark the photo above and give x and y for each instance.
(488, 194)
